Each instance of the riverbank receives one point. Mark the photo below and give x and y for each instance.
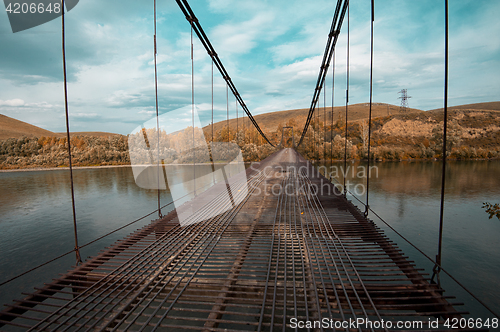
(36, 213)
(37, 169)
(321, 161)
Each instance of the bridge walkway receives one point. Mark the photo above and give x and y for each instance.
(293, 250)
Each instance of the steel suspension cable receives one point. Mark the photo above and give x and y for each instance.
(437, 268)
(346, 104)
(321, 215)
(314, 137)
(370, 112)
(227, 113)
(244, 134)
(75, 230)
(95, 240)
(157, 117)
(195, 24)
(125, 272)
(426, 256)
(338, 18)
(315, 128)
(192, 111)
(212, 100)
(236, 104)
(324, 120)
(333, 92)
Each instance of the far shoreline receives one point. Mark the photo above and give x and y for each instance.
(58, 168)
(411, 160)
(37, 169)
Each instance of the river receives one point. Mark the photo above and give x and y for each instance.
(36, 219)
(407, 196)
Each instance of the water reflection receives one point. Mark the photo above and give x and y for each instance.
(407, 195)
(36, 218)
(424, 178)
(37, 223)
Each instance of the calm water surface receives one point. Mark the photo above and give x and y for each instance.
(36, 219)
(407, 196)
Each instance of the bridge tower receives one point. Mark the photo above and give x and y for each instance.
(283, 141)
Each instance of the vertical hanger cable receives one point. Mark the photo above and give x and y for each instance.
(192, 111)
(157, 118)
(367, 206)
(75, 230)
(346, 102)
(437, 268)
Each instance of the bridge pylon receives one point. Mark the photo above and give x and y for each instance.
(283, 136)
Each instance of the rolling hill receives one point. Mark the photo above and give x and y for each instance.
(270, 121)
(474, 132)
(491, 106)
(13, 128)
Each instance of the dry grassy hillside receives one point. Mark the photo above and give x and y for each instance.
(472, 126)
(12, 128)
(491, 106)
(270, 121)
(474, 130)
(90, 133)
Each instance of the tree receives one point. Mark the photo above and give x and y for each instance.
(492, 210)
(453, 133)
(291, 123)
(364, 134)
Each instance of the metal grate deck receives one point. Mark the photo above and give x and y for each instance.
(286, 253)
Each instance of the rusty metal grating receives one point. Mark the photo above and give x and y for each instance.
(284, 252)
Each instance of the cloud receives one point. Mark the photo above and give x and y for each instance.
(12, 103)
(271, 49)
(149, 113)
(241, 37)
(84, 116)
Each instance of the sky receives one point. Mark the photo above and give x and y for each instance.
(271, 49)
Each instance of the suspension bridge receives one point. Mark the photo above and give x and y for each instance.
(292, 253)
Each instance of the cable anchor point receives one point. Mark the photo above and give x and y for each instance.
(435, 272)
(78, 257)
(192, 19)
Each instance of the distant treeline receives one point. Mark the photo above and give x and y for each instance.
(325, 142)
(53, 151)
(469, 137)
(34, 152)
